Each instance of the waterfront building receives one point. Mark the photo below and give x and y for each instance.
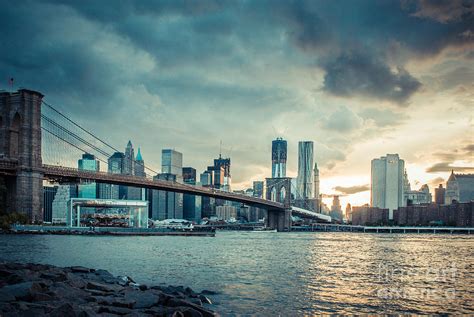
(416, 197)
(192, 205)
(452, 215)
(460, 188)
(279, 156)
(440, 193)
(62, 203)
(48, 197)
(388, 183)
(305, 170)
(88, 162)
(367, 216)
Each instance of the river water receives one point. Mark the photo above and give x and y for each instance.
(281, 273)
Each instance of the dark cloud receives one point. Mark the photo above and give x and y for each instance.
(360, 74)
(445, 11)
(352, 189)
(469, 148)
(447, 167)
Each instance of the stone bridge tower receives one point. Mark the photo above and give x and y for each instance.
(20, 145)
(279, 189)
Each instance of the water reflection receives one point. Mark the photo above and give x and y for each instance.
(292, 273)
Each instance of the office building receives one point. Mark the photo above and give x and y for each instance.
(223, 165)
(336, 209)
(440, 194)
(305, 170)
(166, 205)
(460, 188)
(62, 203)
(48, 197)
(388, 182)
(88, 162)
(192, 204)
(115, 165)
(136, 193)
(417, 197)
(258, 187)
(172, 162)
(279, 156)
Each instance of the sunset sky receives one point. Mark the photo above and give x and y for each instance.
(359, 78)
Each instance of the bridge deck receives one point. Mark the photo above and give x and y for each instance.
(60, 173)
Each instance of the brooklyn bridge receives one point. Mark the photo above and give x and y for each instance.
(38, 143)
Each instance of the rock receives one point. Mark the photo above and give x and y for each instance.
(75, 281)
(174, 302)
(115, 310)
(189, 312)
(178, 314)
(21, 290)
(196, 301)
(143, 287)
(143, 299)
(205, 300)
(65, 309)
(103, 287)
(6, 296)
(106, 277)
(41, 297)
(80, 269)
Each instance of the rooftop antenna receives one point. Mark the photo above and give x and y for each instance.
(220, 149)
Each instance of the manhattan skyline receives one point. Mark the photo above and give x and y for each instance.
(398, 78)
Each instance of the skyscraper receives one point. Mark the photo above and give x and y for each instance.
(191, 203)
(225, 177)
(279, 155)
(168, 205)
(388, 182)
(440, 193)
(172, 162)
(304, 181)
(460, 187)
(258, 189)
(115, 166)
(316, 181)
(129, 159)
(88, 162)
(136, 193)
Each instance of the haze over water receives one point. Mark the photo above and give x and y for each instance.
(287, 274)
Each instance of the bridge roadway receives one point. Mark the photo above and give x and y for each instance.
(65, 174)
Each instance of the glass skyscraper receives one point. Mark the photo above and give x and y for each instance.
(279, 155)
(88, 163)
(115, 166)
(304, 181)
(171, 162)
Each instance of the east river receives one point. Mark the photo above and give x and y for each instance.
(281, 273)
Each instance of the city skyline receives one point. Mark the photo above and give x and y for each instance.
(291, 79)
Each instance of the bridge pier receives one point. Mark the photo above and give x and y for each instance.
(20, 144)
(279, 220)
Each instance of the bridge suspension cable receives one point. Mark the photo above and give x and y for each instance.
(94, 144)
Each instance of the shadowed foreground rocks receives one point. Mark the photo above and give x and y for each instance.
(46, 290)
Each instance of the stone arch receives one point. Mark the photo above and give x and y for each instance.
(282, 194)
(15, 136)
(273, 194)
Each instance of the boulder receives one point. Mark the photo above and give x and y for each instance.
(103, 287)
(80, 269)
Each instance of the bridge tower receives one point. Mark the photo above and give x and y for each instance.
(279, 190)
(20, 144)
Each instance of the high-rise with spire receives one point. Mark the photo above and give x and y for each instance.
(316, 181)
(129, 159)
(279, 155)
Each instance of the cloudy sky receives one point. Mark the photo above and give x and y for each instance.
(359, 78)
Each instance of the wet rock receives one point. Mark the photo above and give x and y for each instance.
(114, 310)
(80, 269)
(174, 302)
(75, 281)
(103, 287)
(65, 309)
(190, 312)
(143, 287)
(143, 299)
(205, 300)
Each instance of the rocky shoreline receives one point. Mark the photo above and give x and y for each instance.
(47, 290)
